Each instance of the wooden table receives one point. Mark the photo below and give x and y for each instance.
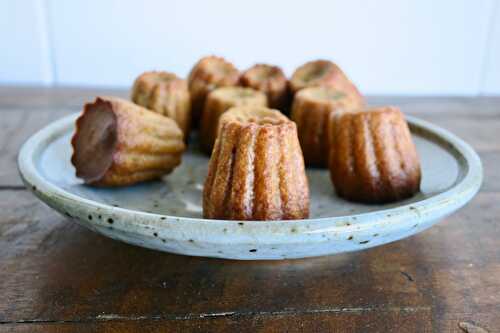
(56, 276)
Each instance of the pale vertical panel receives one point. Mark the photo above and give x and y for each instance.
(387, 46)
(491, 82)
(25, 51)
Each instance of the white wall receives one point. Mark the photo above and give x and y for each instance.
(25, 49)
(387, 46)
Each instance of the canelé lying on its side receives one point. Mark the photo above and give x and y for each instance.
(119, 143)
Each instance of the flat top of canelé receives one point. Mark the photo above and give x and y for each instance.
(391, 112)
(322, 94)
(253, 114)
(376, 110)
(237, 93)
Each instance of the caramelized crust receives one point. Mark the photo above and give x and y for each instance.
(208, 74)
(218, 102)
(256, 171)
(311, 110)
(372, 156)
(322, 73)
(166, 94)
(271, 81)
(119, 143)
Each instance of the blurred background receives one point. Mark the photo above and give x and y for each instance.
(387, 47)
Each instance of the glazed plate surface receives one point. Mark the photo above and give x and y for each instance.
(167, 215)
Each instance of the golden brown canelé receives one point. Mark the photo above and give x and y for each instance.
(256, 171)
(322, 73)
(119, 143)
(311, 109)
(372, 156)
(271, 81)
(208, 74)
(166, 94)
(219, 101)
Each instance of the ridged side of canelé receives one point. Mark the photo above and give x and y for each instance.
(256, 172)
(166, 94)
(208, 74)
(271, 81)
(311, 111)
(218, 102)
(372, 156)
(322, 73)
(143, 145)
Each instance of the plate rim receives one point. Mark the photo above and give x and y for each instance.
(440, 204)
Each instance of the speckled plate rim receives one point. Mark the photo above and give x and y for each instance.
(395, 222)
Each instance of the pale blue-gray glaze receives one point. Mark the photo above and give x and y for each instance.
(166, 215)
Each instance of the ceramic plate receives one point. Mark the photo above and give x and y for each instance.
(167, 215)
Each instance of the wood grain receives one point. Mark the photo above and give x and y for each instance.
(56, 276)
(391, 321)
(54, 270)
(74, 97)
(386, 322)
(48, 98)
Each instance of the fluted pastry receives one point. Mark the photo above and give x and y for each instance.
(372, 156)
(166, 94)
(256, 171)
(311, 110)
(322, 73)
(271, 81)
(119, 143)
(208, 74)
(219, 101)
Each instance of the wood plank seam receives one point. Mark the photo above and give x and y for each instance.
(233, 314)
